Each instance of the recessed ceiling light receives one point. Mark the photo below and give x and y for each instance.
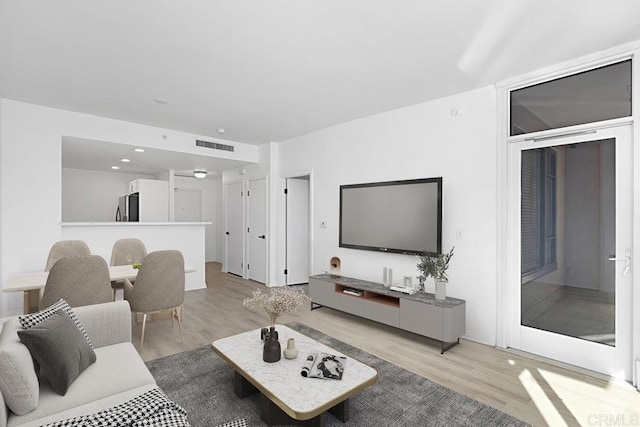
(139, 150)
(115, 167)
(125, 160)
(160, 101)
(221, 130)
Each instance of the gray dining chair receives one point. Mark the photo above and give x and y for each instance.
(126, 252)
(66, 248)
(82, 280)
(158, 287)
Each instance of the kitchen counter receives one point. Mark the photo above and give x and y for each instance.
(125, 223)
(187, 237)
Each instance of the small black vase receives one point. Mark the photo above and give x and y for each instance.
(271, 351)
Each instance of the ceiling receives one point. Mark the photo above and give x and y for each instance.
(79, 153)
(270, 70)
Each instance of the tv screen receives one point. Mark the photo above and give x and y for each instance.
(395, 216)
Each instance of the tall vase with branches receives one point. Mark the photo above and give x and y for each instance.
(435, 266)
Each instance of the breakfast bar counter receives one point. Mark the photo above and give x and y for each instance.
(186, 237)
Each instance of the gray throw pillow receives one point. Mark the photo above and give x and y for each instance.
(30, 320)
(60, 349)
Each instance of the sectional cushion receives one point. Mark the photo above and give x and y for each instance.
(30, 320)
(4, 416)
(18, 379)
(60, 348)
(118, 368)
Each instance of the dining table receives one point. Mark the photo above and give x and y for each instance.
(33, 283)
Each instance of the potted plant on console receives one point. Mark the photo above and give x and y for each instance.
(435, 266)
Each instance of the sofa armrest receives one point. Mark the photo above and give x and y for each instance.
(106, 324)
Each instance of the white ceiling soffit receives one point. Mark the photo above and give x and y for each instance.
(269, 70)
(80, 153)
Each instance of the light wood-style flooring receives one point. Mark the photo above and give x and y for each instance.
(532, 390)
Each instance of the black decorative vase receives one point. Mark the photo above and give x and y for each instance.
(271, 351)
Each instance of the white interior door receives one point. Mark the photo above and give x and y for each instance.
(571, 224)
(298, 227)
(188, 205)
(235, 225)
(257, 230)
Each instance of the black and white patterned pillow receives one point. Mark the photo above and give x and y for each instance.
(28, 321)
(150, 409)
(237, 423)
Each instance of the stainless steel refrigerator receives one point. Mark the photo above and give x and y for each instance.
(128, 208)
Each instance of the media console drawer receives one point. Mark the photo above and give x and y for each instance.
(321, 292)
(416, 318)
(350, 304)
(382, 313)
(419, 313)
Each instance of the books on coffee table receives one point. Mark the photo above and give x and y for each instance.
(324, 366)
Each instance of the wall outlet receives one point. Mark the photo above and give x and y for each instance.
(323, 224)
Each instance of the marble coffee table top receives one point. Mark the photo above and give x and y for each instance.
(299, 397)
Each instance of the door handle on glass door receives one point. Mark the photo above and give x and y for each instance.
(626, 259)
(262, 236)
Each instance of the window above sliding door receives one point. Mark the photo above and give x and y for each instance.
(591, 96)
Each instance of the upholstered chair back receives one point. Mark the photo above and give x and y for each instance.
(159, 284)
(128, 251)
(66, 248)
(82, 280)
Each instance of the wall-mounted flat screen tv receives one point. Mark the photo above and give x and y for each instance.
(396, 216)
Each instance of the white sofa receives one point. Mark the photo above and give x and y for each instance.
(118, 375)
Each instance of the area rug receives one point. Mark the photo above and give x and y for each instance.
(202, 383)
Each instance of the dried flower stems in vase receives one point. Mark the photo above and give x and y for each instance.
(277, 301)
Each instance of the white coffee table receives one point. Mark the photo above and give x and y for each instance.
(286, 396)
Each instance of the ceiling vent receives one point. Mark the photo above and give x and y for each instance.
(214, 145)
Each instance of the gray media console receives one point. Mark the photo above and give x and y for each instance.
(420, 313)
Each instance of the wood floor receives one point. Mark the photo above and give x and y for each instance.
(531, 390)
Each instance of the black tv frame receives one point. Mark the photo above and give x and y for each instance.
(437, 180)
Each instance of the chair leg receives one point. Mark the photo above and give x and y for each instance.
(114, 294)
(144, 322)
(179, 324)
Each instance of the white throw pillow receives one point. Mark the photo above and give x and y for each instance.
(18, 379)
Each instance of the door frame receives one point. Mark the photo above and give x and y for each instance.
(505, 246)
(287, 231)
(283, 206)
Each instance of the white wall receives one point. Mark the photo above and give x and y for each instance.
(420, 141)
(31, 141)
(210, 211)
(1, 209)
(92, 196)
